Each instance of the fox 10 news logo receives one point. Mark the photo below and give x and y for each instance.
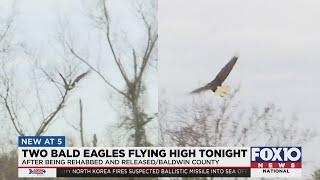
(276, 161)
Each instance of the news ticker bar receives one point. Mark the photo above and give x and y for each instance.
(160, 172)
(143, 172)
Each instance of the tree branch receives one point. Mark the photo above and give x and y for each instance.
(115, 57)
(67, 88)
(96, 71)
(81, 124)
(45, 123)
(11, 113)
(6, 30)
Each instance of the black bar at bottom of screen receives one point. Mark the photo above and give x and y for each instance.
(153, 172)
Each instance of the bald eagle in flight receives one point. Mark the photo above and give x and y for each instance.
(216, 84)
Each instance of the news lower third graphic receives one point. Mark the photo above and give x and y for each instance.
(47, 156)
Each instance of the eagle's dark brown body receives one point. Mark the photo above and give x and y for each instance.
(220, 78)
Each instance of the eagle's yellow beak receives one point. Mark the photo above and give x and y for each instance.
(223, 91)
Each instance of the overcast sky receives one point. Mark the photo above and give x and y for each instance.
(277, 43)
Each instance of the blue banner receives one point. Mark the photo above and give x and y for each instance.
(41, 141)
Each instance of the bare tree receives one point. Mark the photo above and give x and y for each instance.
(12, 91)
(12, 103)
(67, 87)
(6, 47)
(207, 123)
(227, 123)
(6, 32)
(132, 69)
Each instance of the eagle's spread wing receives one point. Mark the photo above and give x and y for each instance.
(77, 79)
(219, 79)
(206, 87)
(225, 71)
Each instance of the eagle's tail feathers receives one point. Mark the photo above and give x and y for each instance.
(222, 91)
